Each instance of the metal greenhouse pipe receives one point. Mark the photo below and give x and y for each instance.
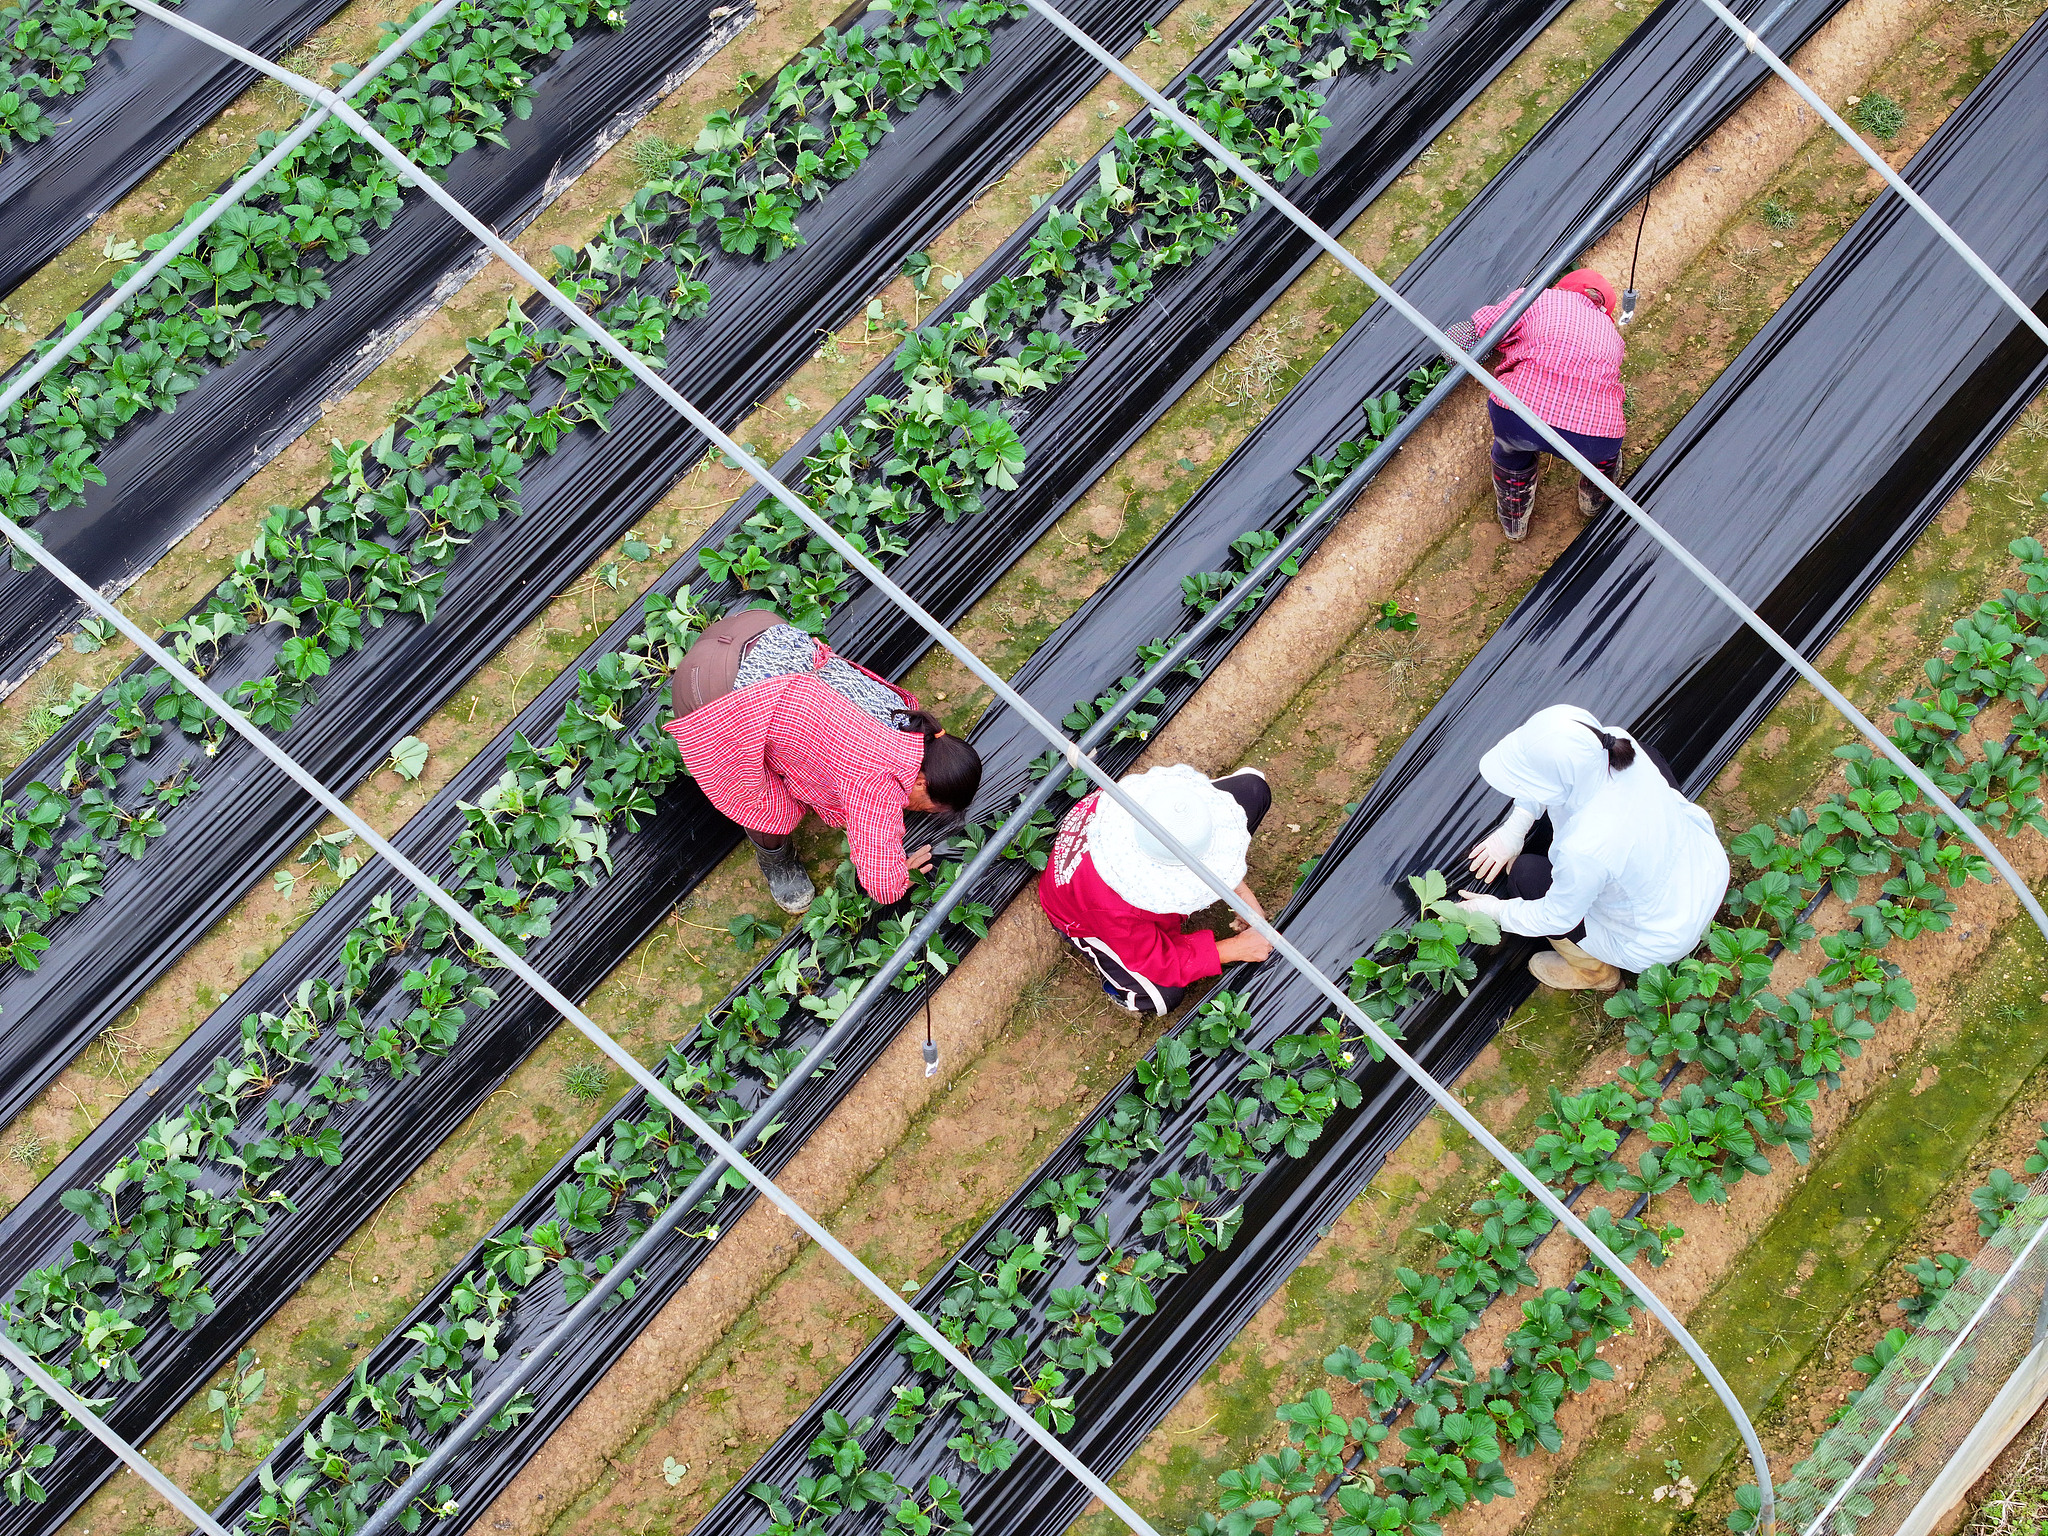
(657, 1235)
(1876, 162)
(181, 242)
(137, 1461)
(1347, 490)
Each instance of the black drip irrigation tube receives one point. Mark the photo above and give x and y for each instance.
(764, 322)
(595, 928)
(145, 96)
(166, 470)
(663, 1263)
(1796, 482)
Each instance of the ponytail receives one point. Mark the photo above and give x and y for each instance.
(1621, 752)
(952, 769)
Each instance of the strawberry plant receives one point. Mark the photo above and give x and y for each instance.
(457, 86)
(47, 50)
(1767, 1059)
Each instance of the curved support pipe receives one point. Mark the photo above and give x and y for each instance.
(858, 561)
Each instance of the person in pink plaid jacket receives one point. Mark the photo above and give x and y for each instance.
(783, 725)
(1563, 360)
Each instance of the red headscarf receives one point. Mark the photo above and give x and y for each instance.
(1593, 286)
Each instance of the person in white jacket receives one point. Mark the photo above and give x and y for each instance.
(1635, 871)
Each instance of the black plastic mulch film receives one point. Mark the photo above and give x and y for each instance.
(764, 321)
(144, 97)
(1804, 473)
(166, 470)
(1382, 120)
(1599, 132)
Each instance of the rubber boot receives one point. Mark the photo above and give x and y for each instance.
(1571, 969)
(1514, 496)
(788, 884)
(1592, 500)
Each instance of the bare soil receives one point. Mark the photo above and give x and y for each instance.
(1460, 585)
(213, 155)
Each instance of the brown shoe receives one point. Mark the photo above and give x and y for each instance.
(1571, 969)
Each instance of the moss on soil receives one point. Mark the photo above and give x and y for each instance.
(212, 155)
(1837, 1233)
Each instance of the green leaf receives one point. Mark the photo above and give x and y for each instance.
(409, 758)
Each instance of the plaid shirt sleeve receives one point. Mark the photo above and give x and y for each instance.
(874, 836)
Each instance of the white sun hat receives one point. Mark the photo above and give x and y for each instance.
(1136, 865)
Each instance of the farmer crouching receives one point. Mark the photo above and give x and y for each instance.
(772, 723)
(1117, 896)
(1563, 361)
(1634, 872)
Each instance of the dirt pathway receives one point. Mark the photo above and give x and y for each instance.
(765, 1365)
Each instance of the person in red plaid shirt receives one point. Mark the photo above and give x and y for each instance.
(1563, 360)
(825, 735)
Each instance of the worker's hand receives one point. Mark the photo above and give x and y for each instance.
(1480, 902)
(921, 859)
(1497, 850)
(1244, 891)
(1244, 946)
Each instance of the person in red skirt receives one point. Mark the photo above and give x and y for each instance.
(775, 724)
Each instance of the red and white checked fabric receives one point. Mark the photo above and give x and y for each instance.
(1562, 359)
(765, 753)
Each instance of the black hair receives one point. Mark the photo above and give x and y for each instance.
(1620, 750)
(952, 769)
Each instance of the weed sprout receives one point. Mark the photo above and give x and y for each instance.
(1778, 214)
(1880, 116)
(587, 1082)
(652, 156)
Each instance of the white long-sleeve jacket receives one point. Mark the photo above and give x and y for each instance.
(1630, 857)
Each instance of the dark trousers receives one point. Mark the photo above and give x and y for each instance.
(1125, 987)
(1529, 880)
(1515, 443)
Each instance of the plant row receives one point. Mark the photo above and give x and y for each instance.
(455, 88)
(47, 48)
(396, 514)
(1179, 1204)
(614, 1189)
(1754, 1063)
(1853, 1428)
(530, 842)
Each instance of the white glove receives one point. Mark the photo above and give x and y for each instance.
(1497, 850)
(1483, 904)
